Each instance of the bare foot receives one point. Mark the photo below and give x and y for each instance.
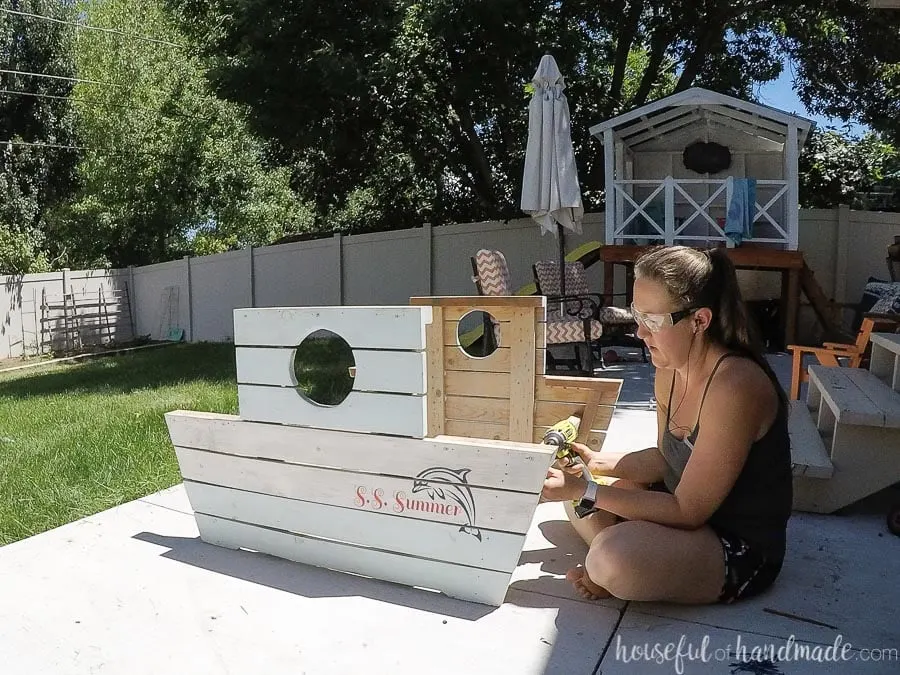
(584, 586)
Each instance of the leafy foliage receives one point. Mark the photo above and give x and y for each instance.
(398, 111)
(33, 178)
(168, 168)
(835, 169)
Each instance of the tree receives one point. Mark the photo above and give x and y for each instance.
(168, 168)
(394, 111)
(836, 169)
(37, 159)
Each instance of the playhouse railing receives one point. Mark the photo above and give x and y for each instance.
(668, 210)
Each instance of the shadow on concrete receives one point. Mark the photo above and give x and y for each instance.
(306, 580)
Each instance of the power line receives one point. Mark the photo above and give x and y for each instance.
(134, 36)
(58, 77)
(44, 145)
(105, 104)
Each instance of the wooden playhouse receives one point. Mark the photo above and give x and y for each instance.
(428, 473)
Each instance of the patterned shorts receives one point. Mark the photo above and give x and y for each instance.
(748, 571)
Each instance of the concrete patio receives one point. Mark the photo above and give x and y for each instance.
(133, 590)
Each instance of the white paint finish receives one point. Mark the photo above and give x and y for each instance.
(791, 175)
(76, 597)
(844, 400)
(401, 328)
(610, 177)
(808, 453)
(464, 583)
(697, 96)
(502, 465)
(497, 551)
(884, 399)
(396, 414)
(493, 509)
(385, 371)
(857, 396)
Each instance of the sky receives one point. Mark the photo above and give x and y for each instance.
(780, 94)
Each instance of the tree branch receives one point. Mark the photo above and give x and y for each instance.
(711, 30)
(623, 49)
(659, 42)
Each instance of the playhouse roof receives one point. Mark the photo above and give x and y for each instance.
(697, 106)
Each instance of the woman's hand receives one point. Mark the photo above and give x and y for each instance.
(560, 486)
(588, 456)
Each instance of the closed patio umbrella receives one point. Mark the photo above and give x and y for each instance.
(550, 190)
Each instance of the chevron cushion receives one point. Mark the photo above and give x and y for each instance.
(493, 273)
(547, 272)
(570, 330)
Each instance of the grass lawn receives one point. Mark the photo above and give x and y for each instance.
(78, 439)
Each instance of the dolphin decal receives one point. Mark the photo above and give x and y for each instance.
(442, 483)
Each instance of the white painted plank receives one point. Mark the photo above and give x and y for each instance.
(399, 372)
(498, 551)
(457, 581)
(883, 398)
(809, 457)
(360, 327)
(504, 465)
(396, 414)
(848, 404)
(480, 507)
(890, 341)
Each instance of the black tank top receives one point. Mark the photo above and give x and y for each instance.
(759, 505)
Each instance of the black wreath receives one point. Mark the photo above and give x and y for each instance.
(706, 157)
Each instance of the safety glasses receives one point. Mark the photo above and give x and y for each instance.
(656, 322)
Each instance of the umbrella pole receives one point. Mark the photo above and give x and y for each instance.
(562, 258)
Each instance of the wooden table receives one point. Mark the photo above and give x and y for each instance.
(788, 263)
(885, 359)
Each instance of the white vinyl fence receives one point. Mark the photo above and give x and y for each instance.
(197, 295)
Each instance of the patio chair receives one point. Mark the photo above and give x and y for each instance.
(830, 354)
(491, 277)
(618, 325)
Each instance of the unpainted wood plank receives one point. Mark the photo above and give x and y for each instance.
(479, 301)
(809, 457)
(488, 430)
(847, 402)
(497, 411)
(361, 327)
(522, 376)
(369, 525)
(464, 583)
(399, 372)
(498, 362)
(481, 507)
(512, 466)
(378, 413)
(506, 337)
(552, 388)
(500, 314)
(589, 415)
(548, 414)
(473, 383)
(435, 375)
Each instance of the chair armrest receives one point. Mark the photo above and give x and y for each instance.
(593, 305)
(838, 345)
(823, 351)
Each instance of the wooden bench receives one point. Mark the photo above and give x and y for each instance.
(857, 416)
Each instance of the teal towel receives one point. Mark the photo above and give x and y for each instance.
(741, 210)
